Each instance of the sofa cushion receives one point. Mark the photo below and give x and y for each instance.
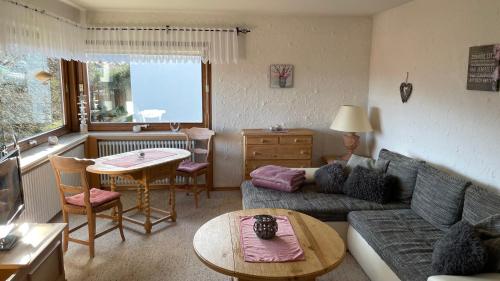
(480, 203)
(326, 207)
(438, 197)
(369, 163)
(401, 238)
(459, 252)
(368, 184)
(405, 170)
(489, 232)
(330, 178)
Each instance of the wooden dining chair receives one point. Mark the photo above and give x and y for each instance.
(83, 200)
(198, 142)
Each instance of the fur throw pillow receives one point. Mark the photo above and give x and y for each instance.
(489, 232)
(330, 178)
(368, 184)
(459, 252)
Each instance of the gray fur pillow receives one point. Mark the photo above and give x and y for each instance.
(489, 232)
(330, 178)
(459, 252)
(368, 184)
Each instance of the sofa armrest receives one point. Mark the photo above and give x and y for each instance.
(479, 277)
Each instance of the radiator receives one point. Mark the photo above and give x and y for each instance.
(41, 195)
(111, 147)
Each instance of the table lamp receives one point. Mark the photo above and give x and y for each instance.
(351, 119)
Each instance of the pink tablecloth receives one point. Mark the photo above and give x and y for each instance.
(282, 248)
(133, 160)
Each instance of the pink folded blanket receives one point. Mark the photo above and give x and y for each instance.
(279, 178)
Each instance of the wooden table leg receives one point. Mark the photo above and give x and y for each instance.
(112, 182)
(173, 174)
(147, 208)
(139, 197)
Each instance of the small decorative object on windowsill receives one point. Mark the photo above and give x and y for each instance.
(82, 101)
(281, 76)
(265, 226)
(53, 140)
(405, 89)
(351, 119)
(175, 126)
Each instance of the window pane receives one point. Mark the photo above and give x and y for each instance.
(29, 106)
(146, 92)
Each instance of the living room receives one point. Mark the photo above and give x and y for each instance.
(118, 83)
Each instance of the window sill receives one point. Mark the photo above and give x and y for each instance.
(124, 135)
(37, 155)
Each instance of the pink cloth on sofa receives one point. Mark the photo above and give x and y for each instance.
(277, 185)
(132, 160)
(276, 177)
(282, 248)
(97, 197)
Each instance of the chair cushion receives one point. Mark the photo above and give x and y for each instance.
(97, 197)
(438, 197)
(480, 203)
(323, 206)
(190, 166)
(405, 170)
(401, 238)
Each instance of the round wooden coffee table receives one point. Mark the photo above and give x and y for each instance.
(217, 245)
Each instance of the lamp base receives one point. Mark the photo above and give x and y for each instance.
(351, 142)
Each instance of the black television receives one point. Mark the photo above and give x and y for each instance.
(11, 196)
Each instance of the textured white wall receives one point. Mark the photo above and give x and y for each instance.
(442, 123)
(331, 57)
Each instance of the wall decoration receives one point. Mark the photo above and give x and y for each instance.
(281, 76)
(484, 64)
(405, 89)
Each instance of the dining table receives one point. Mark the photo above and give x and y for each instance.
(144, 167)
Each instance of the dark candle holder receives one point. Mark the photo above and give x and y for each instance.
(265, 226)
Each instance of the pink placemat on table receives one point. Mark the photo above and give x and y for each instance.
(282, 248)
(133, 160)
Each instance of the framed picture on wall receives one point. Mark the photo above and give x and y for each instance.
(281, 76)
(484, 68)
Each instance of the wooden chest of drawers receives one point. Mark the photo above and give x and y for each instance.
(292, 148)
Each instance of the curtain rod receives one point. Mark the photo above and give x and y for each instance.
(239, 30)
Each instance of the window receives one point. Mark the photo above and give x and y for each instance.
(31, 100)
(146, 92)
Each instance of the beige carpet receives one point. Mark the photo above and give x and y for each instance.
(167, 253)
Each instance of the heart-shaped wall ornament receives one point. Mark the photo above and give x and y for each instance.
(405, 90)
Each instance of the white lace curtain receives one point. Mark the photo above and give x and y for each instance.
(23, 30)
(140, 44)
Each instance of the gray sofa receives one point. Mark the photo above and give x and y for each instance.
(392, 241)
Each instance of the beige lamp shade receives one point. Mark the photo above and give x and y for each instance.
(352, 119)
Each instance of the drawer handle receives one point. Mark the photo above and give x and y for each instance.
(296, 140)
(263, 141)
(255, 153)
(302, 152)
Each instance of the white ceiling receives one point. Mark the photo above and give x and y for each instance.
(295, 7)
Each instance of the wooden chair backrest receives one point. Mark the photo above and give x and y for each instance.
(199, 135)
(69, 165)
